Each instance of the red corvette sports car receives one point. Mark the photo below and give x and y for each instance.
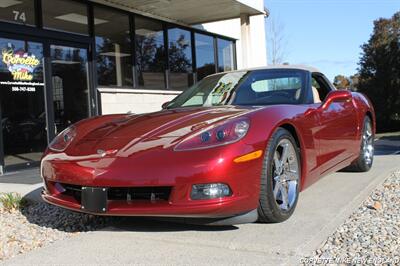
(236, 147)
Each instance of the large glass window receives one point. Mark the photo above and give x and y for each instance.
(18, 11)
(70, 85)
(150, 53)
(65, 15)
(225, 55)
(180, 59)
(205, 61)
(113, 47)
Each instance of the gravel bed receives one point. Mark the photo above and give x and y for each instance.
(371, 235)
(39, 224)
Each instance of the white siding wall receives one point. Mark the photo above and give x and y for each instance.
(258, 41)
(114, 101)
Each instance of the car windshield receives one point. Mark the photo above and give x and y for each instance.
(259, 87)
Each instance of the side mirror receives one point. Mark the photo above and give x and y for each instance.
(165, 105)
(336, 96)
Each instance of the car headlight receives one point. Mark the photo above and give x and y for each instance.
(216, 135)
(62, 140)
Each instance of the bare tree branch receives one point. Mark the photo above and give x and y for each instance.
(276, 41)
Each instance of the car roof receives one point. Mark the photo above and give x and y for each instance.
(271, 67)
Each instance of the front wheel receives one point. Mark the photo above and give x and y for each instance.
(280, 179)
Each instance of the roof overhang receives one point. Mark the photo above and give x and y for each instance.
(188, 12)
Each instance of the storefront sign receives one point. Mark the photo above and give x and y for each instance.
(20, 64)
(19, 70)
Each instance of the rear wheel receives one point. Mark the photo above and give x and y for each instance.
(366, 157)
(280, 179)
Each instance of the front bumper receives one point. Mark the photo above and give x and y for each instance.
(212, 209)
(177, 171)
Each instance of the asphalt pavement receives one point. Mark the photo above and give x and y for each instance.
(321, 209)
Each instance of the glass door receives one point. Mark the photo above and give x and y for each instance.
(70, 85)
(44, 88)
(22, 104)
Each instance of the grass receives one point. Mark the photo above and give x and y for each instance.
(12, 201)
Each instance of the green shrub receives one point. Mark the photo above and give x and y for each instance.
(12, 201)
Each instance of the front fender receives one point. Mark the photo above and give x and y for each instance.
(301, 124)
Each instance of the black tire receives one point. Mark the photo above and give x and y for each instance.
(269, 210)
(362, 164)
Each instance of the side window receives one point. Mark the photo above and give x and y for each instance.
(315, 83)
(320, 88)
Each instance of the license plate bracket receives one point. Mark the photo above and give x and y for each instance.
(94, 199)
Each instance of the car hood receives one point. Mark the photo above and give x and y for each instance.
(128, 134)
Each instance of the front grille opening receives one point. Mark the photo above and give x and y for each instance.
(74, 191)
(139, 193)
(123, 193)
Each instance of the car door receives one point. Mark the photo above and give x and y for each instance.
(338, 127)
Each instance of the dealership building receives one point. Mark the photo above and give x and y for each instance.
(65, 60)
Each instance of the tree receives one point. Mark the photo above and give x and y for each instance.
(341, 82)
(276, 41)
(379, 72)
(354, 82)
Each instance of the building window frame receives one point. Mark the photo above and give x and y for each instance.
(190, 69)
(219, 64)
(164, 28)
(38, 30)
(131, 59)
(42, 25)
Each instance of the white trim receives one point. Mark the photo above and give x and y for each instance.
(137, 91)
(252, 4)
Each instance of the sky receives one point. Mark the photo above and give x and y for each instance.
(327, 34)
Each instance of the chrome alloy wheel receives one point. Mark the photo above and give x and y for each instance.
(286, 175)
(368, 143)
